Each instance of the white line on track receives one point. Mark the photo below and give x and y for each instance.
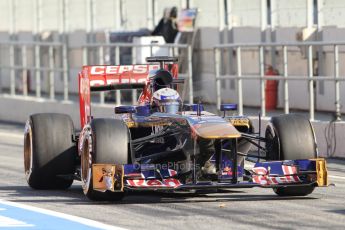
(336, 177)
(13, 135)
(6, 222)
(77, 219)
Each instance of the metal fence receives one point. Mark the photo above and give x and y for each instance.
(47, 60)
(16, 57)
(260, 47)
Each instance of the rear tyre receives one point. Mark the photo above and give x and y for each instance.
(49, 151)
(105, 141)
(291, 137)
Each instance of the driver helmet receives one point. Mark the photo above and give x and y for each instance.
(166, 100)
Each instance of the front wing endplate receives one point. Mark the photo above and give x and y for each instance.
(107, 177)
(321, 172)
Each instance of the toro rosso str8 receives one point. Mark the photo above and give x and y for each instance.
(163, 144)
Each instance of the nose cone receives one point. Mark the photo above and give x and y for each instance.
(215, 130)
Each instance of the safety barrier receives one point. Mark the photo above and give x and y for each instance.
(260, 47)
(27, 59)
(18, 58)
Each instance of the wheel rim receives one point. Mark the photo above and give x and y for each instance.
(28, 151)
(86, 163)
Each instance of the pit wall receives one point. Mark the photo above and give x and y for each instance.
(18, 110)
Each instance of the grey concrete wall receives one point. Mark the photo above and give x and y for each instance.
(242, 13)
(290, 13)
(246, 13)
(332, 11)
(106, 14)
(18, 110)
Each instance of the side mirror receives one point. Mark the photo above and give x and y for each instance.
(228, 107)
(124, 109)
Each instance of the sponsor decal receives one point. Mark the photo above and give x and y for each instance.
(109, 70)
(267, 180)
(103, 177)
(165, 183)
(172, 172)
(261, 176)
(240, 122)
(260, 171)
(107, 75)
(107, 177)
(227, 171)
(290, 172)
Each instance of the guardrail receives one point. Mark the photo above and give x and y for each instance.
(97, 51)
(22, 56)
(261, 76)
(57, 62)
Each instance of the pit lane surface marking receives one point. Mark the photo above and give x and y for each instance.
(336, 177)
(6, 222)
(16, 215)
(14, 135)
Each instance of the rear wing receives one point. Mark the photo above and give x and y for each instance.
(107, 77)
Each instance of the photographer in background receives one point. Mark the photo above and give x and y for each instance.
(167, 26)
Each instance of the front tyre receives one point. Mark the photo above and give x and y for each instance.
(291, 137)
(105, 141)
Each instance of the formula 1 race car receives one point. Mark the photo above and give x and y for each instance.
(166, 145)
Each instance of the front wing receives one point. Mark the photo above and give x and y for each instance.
(118, 178)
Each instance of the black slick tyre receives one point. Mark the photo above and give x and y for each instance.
(49, 151)
(105, 141)
(291, 137)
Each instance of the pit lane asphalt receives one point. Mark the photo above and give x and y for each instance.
(254, 208)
